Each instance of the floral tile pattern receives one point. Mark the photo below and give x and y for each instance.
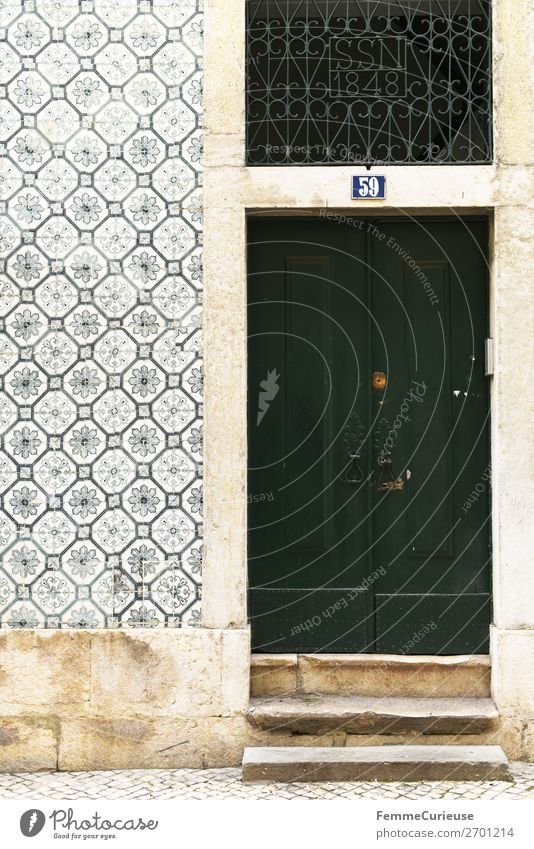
(100, 299)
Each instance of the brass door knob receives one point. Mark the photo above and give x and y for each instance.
(379, 380)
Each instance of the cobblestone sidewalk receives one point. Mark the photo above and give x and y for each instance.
(226, 784)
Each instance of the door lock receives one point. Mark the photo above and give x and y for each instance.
(386, 478)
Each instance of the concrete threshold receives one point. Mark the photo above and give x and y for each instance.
(319, 714)
(371, 675)
(376, 763)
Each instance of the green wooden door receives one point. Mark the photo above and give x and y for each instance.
(368, 486)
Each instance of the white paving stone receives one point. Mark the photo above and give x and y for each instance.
(226, 784)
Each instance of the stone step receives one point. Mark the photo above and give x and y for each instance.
(371, 675)
(319, 714)
(376, 763)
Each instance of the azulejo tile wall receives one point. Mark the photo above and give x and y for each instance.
(100, 298)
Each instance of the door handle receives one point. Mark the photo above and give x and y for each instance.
(352, 473)
(387, 480)
(353, 438)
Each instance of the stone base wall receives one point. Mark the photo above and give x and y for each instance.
(84, 700)
(115, 699)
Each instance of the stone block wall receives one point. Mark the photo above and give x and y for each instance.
(101, 699)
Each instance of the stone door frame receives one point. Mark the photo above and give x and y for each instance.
(233, 191)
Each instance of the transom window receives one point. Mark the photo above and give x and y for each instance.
(368, 81)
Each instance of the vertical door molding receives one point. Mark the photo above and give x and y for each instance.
(225, 343)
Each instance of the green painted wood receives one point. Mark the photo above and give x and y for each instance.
(427, 623)
(334, 560)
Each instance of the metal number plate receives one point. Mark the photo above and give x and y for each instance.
(368, 188)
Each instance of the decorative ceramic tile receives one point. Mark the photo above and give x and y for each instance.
(100, 298)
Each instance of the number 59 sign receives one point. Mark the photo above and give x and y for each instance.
(368, 188)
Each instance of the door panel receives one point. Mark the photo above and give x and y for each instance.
(430, 623)
(306, 387)
(300, 620)
(358, 527)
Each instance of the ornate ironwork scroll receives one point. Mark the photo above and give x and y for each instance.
(369, 82)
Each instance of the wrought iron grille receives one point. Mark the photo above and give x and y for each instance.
(368, 81)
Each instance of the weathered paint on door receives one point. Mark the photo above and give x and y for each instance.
(368, 436)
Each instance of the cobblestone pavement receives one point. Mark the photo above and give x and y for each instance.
(226, 784)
